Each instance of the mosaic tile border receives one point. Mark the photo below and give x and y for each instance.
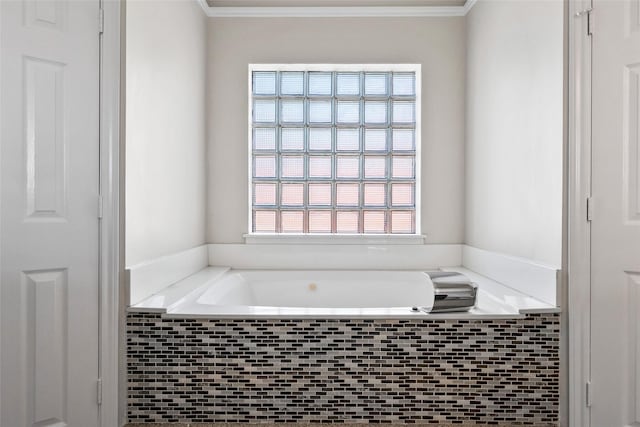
(313, 425)
(500, 372)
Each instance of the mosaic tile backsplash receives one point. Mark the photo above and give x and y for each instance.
(498, 372)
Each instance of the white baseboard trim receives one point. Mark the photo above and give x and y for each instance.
(147, 278)
(340, 257)
(534, 279)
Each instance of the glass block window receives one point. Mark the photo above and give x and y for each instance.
(333, 151)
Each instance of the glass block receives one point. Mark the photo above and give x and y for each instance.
(320, 167)
(320, 84)
(292, 111)
(264, 110)
(404, 84)
(348, 140)
(320, 111)
(347, 167)
(320, 194)
(292, 221)
(292, 83)
(292, 139)
(264, 82)
(374, 221)
(348, 83)
(402, 222)
(319, 221)
(375, 167)
(347, 221)
(347, 194)
(292, 194)
(402, 167)
(375, 139)
(402, 194)
(292, 167)
(375, 112)
(375, 84)
(264, 166)
(320, 139)
(375, 194)
(348, 112)
(264, 221)
(403, 140)
(404, 112)
(264, 139)
(264, 193)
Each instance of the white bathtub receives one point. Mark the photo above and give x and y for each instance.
(221, 292)
(291, 292)
(321, 289)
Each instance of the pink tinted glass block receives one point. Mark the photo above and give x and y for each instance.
(402, 167)
(402, 194)
(292, 139)
(292, 194)
(264, 194)
(292, 167)
(374, 221)
(375, 139)
(319, 221)
(320, 139)
(347, 221)
(347, 167)
(348, 140)
(292, 221)
(375, 167)
(320, 167)
(264, 222)
(347, 194)
(320, 194)
(402, 222)
(264, 166)
(264, 138)
(402, 139)
(374, 194)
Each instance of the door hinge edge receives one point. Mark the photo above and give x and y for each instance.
(100, 207)
(99, 391)
(101, 21)
(587, 13)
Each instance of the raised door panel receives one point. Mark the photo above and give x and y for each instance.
(45, 139)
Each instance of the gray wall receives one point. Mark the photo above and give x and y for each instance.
(436, 43)
(514, 128)
(165, 128)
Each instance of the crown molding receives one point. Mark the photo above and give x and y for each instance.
(335, 12)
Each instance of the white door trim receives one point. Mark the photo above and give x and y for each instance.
(111, 410)
(579, 274)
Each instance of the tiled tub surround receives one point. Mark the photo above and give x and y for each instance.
(438, 371)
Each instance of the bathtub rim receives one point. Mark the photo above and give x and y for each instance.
(169, 300)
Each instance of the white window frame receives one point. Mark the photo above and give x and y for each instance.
(362, 238)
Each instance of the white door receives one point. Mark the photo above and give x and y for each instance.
(49, 147)
(615, 246)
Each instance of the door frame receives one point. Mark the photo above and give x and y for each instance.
(111, 327)
(579, 230)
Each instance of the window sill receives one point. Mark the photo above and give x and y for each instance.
(323, 239)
